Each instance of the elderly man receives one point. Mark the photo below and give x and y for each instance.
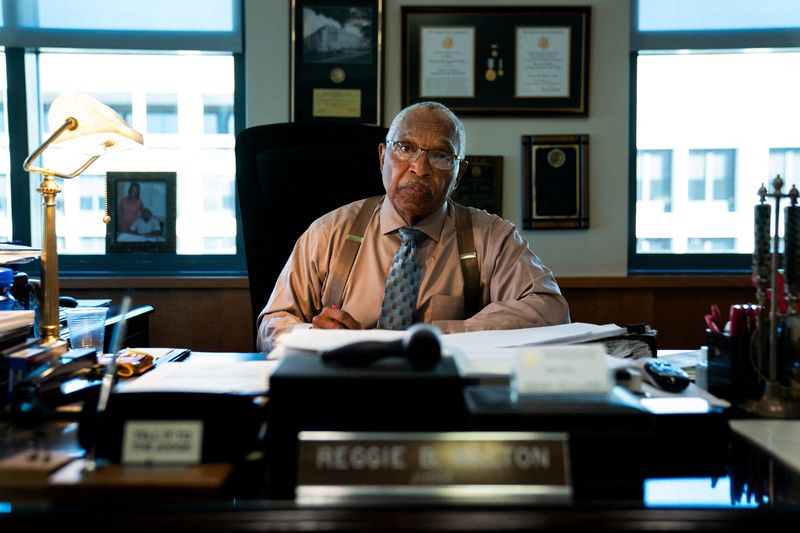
(413, 256)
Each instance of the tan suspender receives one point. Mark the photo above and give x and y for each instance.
(469, 261)
(343, 264)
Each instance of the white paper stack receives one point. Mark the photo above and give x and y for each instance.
(13, 320)
(15, 254)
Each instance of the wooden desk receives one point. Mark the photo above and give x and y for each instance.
(240, 504)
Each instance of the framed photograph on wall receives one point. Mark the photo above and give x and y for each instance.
(556, 181)
(142, 210)
(336, 60)
(507, 60)
(482, 184)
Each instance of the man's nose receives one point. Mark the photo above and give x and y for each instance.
(421, 165)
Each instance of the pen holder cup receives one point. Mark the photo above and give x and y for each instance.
(732, 372)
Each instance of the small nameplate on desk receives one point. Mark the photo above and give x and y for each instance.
(561, 369)
(343, 465)
(162, 442)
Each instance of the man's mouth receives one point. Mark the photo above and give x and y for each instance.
(416, 188)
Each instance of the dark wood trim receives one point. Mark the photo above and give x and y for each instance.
(156, 282)
(568, 282)
(655, 282)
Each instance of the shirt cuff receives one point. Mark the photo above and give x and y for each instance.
(450, 326)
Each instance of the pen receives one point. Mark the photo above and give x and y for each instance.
(716, 316)
(711, 324)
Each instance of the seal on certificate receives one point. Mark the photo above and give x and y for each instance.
(337, 75)
(556, 157)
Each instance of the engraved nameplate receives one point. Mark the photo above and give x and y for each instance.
(486, 465)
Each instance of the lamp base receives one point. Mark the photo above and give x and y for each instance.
(777, 402)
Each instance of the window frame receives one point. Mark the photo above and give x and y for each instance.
(22, 118)
(672, 41)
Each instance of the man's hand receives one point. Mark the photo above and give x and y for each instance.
(334, 318)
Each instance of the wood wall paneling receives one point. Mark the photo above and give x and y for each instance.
(214, 314)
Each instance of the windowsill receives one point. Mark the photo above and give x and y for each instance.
(156, 282)
(667, 281)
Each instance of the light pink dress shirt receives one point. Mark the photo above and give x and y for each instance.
(518, 291)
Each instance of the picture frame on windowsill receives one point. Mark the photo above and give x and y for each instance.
(142, 210)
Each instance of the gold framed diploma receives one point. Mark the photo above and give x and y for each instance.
(507, 60)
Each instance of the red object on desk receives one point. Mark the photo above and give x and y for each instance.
(711, 324)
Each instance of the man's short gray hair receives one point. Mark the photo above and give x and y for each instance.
(440, 108)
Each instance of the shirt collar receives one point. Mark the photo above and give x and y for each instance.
(431, 225)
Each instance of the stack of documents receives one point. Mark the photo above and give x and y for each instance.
(14, 320)
(218, 375)
(15, 254)
(476, 353)
(486, 354)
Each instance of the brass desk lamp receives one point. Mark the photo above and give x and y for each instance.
(83, 125)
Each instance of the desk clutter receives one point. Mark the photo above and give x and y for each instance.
(298, 425)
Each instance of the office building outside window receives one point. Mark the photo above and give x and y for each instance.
(165, 68)
(162, 95)
(654, 179)
(715, 118)
(786, 163)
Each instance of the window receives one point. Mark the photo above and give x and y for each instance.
(654, 180)
(162, 113)
(700, 244)
(654, 245)
(4, 195)
(785, 162)
(217, 114)
(164, 86)
(5, 183)
(711, 176)
(714, 117)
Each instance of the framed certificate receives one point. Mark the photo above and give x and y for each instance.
(336, 60)
(556, 176)
(487, 60)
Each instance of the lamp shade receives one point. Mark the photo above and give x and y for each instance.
(99, 130)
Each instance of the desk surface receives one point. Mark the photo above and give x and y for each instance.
(687, 484)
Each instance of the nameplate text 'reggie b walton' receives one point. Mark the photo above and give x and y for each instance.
(444, 464)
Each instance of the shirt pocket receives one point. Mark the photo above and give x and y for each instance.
(444, 307)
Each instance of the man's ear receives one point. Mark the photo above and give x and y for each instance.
(462, 168)
(381, 154)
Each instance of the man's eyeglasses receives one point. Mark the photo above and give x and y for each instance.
(405, 151)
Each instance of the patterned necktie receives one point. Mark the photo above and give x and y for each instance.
(402, 284)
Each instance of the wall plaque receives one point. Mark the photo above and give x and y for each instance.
(482, 184)
(556, 176)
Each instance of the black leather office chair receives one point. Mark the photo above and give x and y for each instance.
(288, 175)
